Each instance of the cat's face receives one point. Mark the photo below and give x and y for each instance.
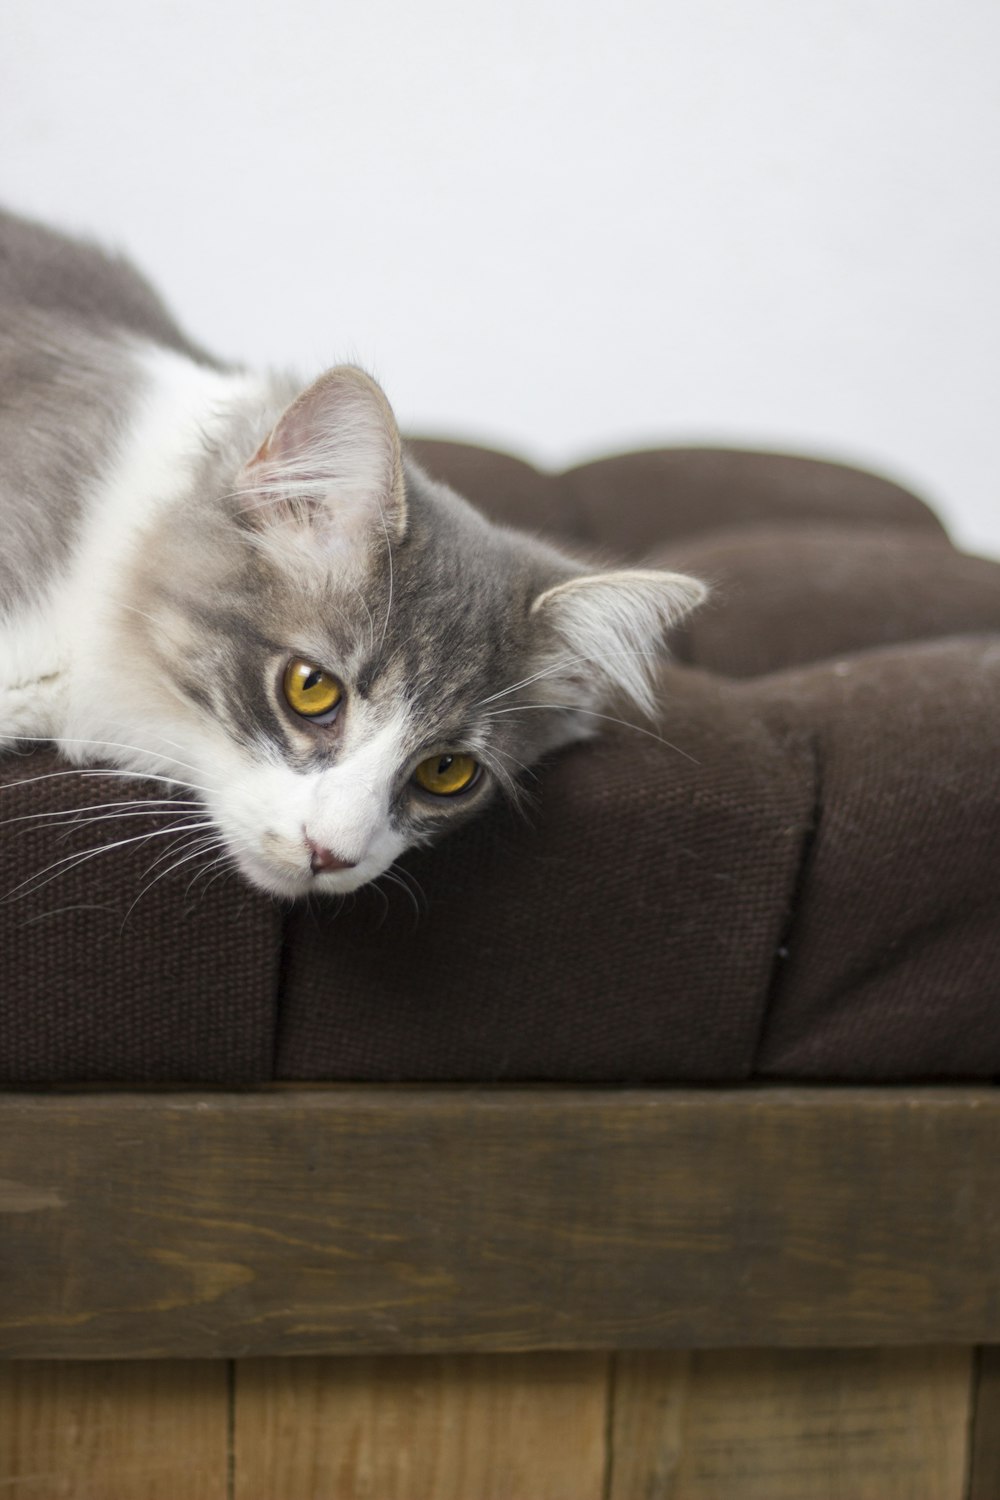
(352, 660)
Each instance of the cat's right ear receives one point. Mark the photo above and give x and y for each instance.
(330, 474)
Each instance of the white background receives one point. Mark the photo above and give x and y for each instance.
(560, 228)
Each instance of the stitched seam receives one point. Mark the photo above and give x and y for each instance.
(799, 884)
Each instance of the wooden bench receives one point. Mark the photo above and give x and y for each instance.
(520, 1293)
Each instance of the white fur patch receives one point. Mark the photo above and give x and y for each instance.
(59, 656)
(268, 812)
(180, 402)
(61, 664)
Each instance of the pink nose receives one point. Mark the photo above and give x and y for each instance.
(321, 860)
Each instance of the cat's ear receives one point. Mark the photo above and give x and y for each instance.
(331, 471)
(607, 630)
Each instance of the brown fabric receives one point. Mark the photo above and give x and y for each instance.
(638, 501)
(891, 966)
(636, 920)
(784, 596)
(802, 883)
(110, 969)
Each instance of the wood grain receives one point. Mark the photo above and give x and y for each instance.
(390, 1220)
(865, 1424)
(502, 1427)
(144, 1430)
(984, 1477)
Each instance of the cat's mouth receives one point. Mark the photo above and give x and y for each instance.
(281, 877)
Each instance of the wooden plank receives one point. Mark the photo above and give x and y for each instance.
(113, 1431)
(984, 1477)
(860, 1424)
(387, 1220)
(494, 1427)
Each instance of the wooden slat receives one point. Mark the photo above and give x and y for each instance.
(500, 1427)
(862, 1424)
(138, 1430)
(379, 1219)
(984, 1480)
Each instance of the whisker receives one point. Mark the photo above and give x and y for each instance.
(172, 849)
(35, 882)
(154, 805)
(371, 617)
(196, 847)
(569, 708)
(500, 771)
(522, 765)
(221, 860)
(397, 876)
(560, 666)
(109, 771)
(120, 604)
(140, 812)
(60, 911)
(107, 745)
(388, 553)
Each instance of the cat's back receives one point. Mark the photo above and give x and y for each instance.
(80, 286)
(72, 317)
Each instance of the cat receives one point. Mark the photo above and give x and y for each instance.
(246, 590)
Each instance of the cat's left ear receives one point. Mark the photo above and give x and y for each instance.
(607, 630)
(331, 468)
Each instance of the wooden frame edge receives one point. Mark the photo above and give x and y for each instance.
(377, 1219)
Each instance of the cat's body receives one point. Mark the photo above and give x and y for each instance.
(248, 590)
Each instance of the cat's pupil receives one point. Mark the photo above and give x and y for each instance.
(312, 680)
(444, 763)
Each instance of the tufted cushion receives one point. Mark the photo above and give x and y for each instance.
(795, 875)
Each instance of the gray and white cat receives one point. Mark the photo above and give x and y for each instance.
(250, 592)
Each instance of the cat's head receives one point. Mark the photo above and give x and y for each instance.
(356, 660)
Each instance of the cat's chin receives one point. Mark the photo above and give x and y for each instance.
(291, 885)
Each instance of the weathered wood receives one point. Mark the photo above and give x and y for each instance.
(984, 1477)
(493, 1427)
(859, 1424)
(381, 1219)
(113, 1431)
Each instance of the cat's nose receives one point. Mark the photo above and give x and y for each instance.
(321, 859)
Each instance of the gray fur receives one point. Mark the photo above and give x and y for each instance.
(446, 628)
(431, 617)
(64, 394)
(68, 316)
(83, 285)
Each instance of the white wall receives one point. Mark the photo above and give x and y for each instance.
(563, 228)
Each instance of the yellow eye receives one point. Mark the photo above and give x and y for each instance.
(444, 775)
(309, 690)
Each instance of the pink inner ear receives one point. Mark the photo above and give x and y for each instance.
(333, 460)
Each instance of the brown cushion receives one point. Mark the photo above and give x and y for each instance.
(890, 964)
(800, 879)
(629, 931)
(106, 975)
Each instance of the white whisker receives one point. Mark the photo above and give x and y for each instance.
(173, 848)
(197, 846)
(388, 553)
(221, 860)
(568, 708)
(134, 609)
(410, 885)
(119, 771)
(500, 772)
(71, 861)
(154, 806)
(554, 668)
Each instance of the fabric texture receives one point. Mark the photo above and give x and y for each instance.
(794, 874)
